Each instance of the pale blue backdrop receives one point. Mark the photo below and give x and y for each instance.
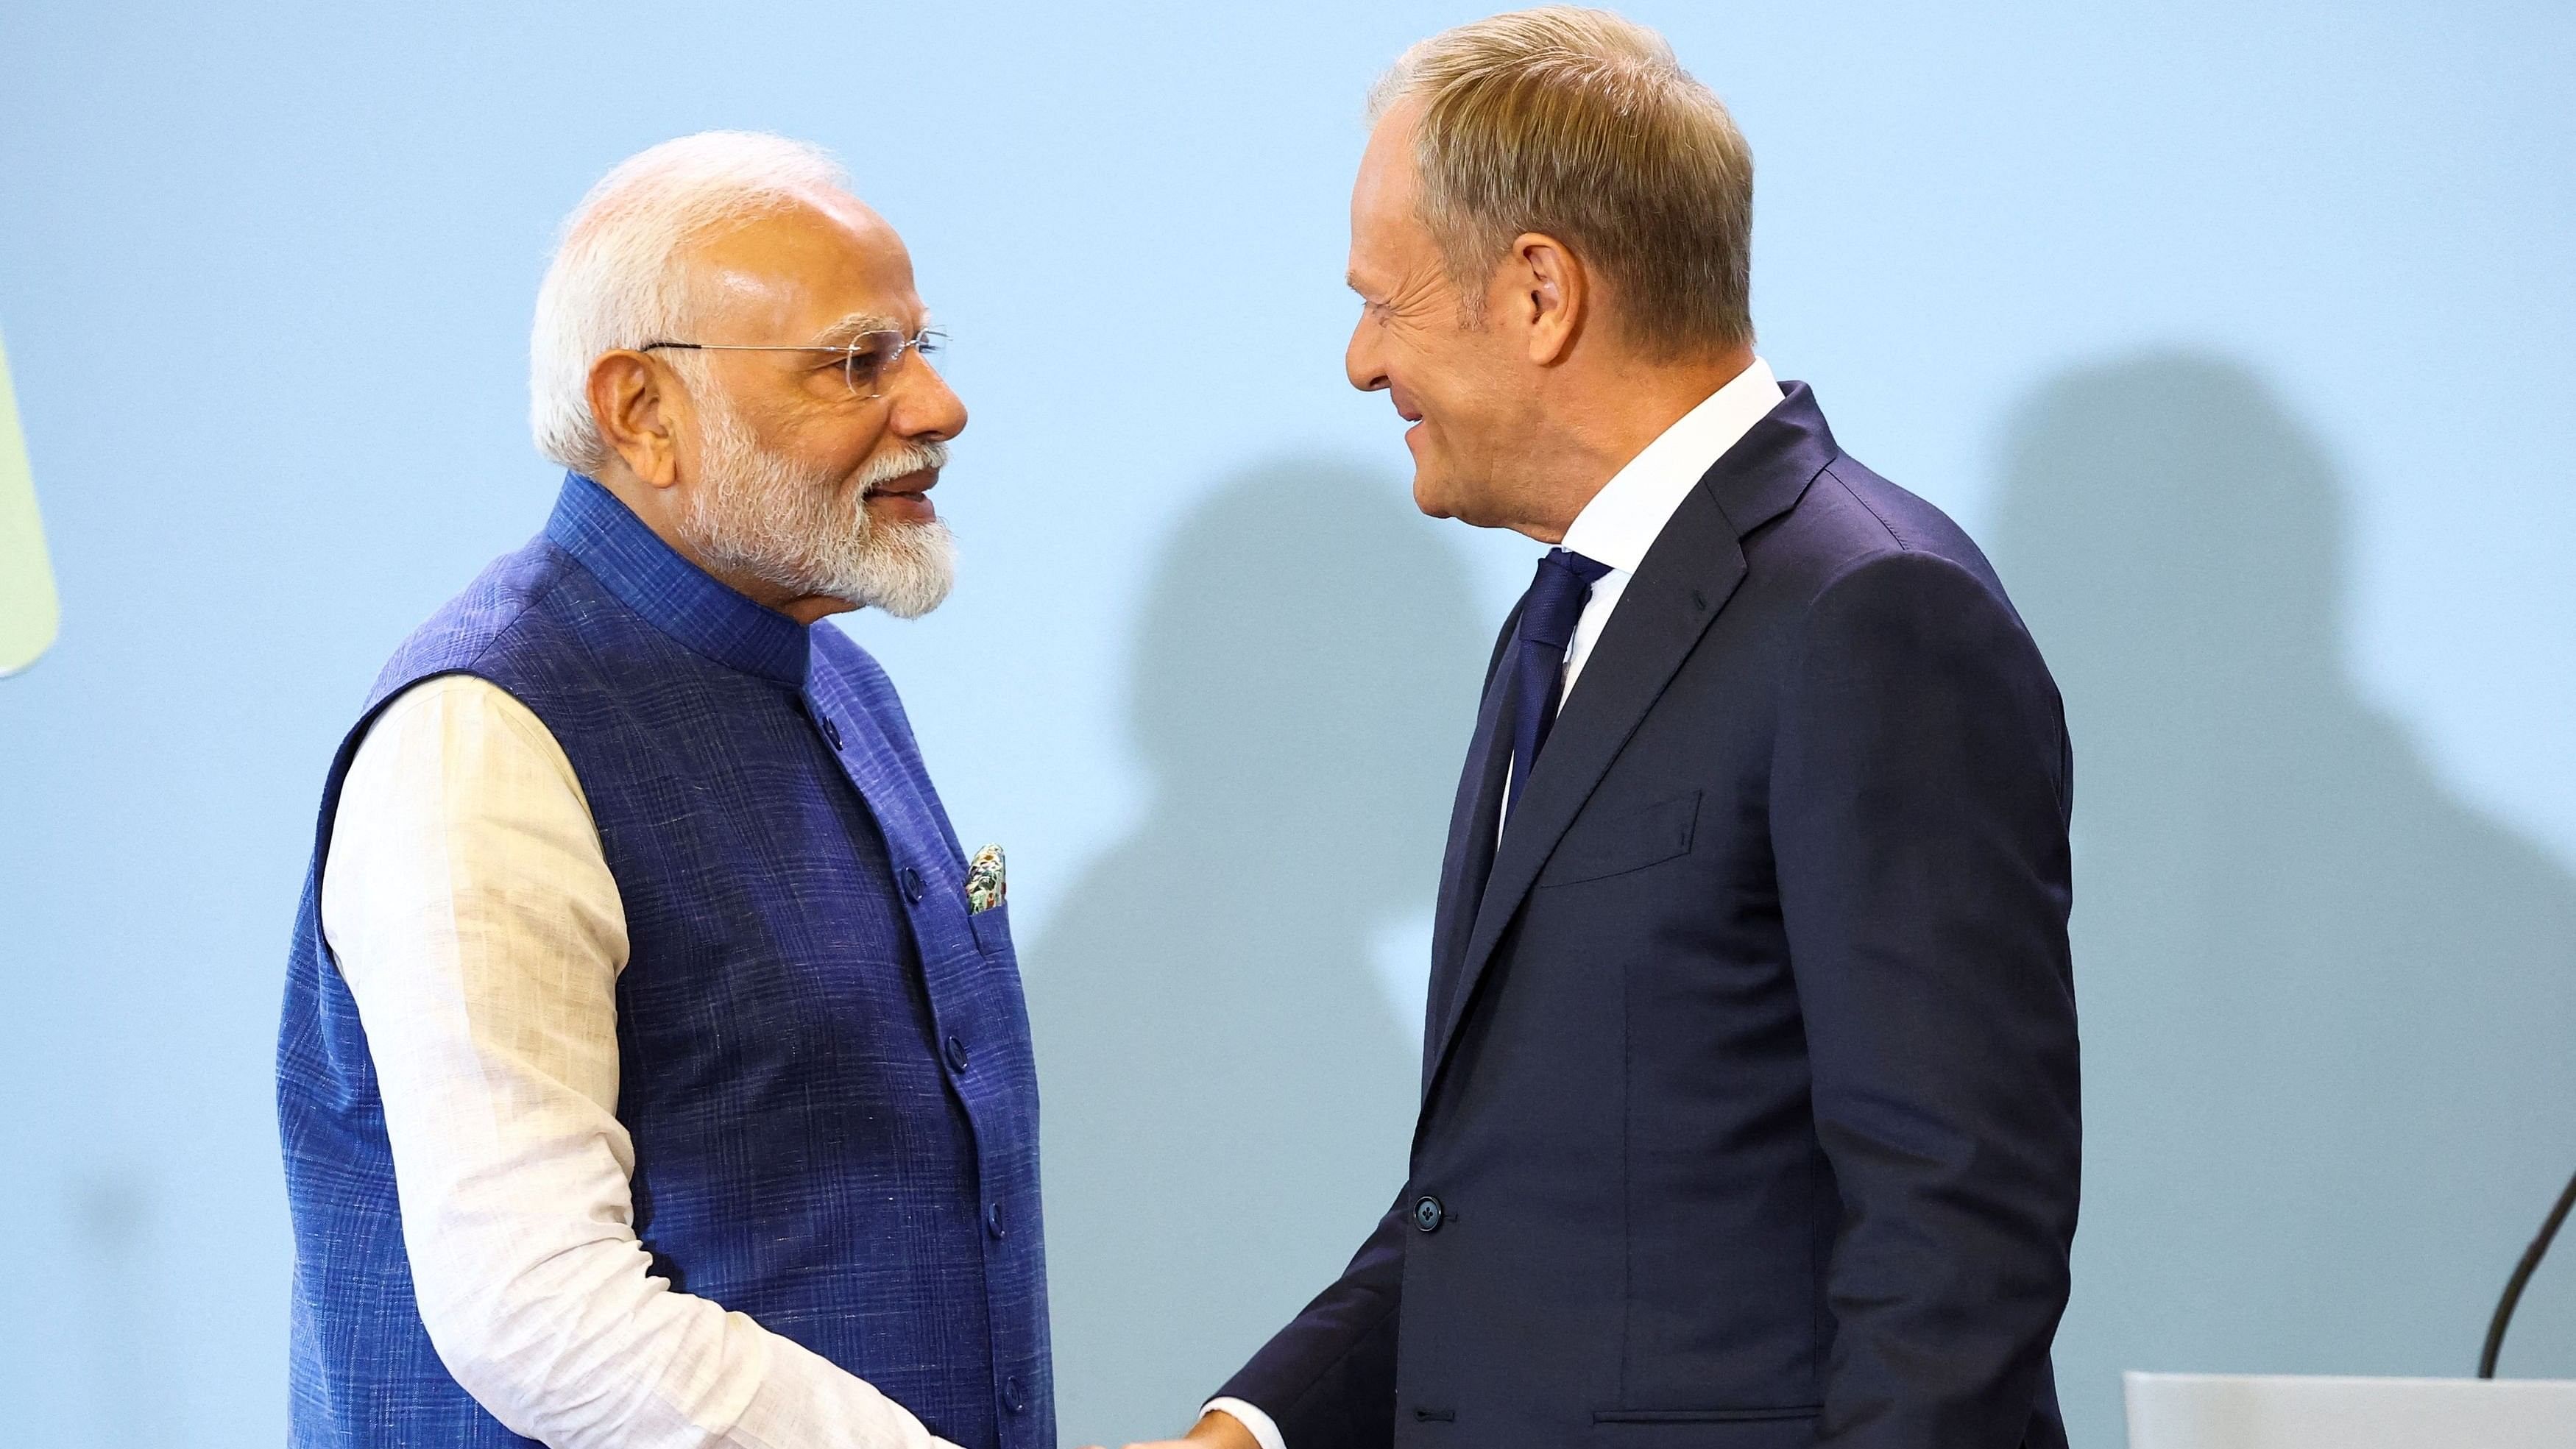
(2244, 335)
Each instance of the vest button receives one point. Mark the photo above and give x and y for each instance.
(1014, 1398)
(957, 1054)
(995, 1223)
(911, 879)
(1428, 1213)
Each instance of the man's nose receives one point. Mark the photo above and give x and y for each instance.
(1360, 361)
(926, 409)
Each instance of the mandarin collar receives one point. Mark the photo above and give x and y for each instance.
(674, 595)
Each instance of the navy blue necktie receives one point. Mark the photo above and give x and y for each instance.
(1548, 613)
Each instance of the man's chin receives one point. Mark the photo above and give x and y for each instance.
(1431, 504)
(903, 607)
(1438, 495)
(914, 565)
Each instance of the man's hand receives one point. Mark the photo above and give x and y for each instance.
(1216, 1429)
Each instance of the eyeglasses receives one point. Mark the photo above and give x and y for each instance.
(866, 360)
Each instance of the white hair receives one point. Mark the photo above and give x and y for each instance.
(761, 514)
(617, 280)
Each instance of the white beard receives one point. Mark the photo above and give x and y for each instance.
(762, 515)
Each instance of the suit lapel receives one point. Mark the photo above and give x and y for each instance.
(1686, 578)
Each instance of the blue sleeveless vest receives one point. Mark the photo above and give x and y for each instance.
(824, 1057)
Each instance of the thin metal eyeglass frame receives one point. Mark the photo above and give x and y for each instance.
(928, 341)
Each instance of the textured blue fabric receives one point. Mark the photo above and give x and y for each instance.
(825, 1059)
(1548, 614)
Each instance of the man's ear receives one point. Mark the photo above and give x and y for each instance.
(1552, 293)
(632, 402)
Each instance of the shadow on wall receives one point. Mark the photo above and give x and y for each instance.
(2330, 1015)
(1229, 1097)
(130, 1372)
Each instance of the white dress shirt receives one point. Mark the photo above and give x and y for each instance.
(1625, 518)
(473, 916)
(1617, 527)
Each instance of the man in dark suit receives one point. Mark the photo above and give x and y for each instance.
(1749, 1110)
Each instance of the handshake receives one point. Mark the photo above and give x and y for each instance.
(638, 939)
(1216, 1429)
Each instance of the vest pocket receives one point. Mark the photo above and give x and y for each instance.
(993, 931)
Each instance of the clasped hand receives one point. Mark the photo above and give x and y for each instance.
(1214, 1430)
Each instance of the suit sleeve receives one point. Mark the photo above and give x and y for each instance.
(1328, 1379)
(1920, 802)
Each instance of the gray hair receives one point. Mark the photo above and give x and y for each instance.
(617, 279)
(1583, 125)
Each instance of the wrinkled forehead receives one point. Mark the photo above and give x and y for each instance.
(1388, 237)
(805, 272)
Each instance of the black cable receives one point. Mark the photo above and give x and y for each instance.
(2513, 1287)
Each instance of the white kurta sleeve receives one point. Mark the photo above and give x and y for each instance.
(470, 910)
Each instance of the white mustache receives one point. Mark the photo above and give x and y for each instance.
(903, 462)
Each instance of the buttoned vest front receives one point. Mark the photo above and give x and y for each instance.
(824, 1057)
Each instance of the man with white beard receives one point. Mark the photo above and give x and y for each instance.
(654, 1069)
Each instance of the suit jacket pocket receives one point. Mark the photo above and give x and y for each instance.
(1628, 841)
(1791, 1426)
(1706, 1416)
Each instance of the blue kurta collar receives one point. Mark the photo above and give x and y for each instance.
(673, 594)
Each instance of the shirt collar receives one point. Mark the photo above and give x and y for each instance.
(673, 594)
(1622, 520)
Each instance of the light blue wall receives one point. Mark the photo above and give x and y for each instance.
(2245, 336)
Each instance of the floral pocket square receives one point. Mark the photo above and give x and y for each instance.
(988, 881)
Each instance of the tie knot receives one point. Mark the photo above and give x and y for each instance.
(1556, 597)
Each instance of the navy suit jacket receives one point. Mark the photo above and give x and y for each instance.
(1749, 1109)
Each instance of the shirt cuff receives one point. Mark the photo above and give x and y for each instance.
(1264, 1431)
